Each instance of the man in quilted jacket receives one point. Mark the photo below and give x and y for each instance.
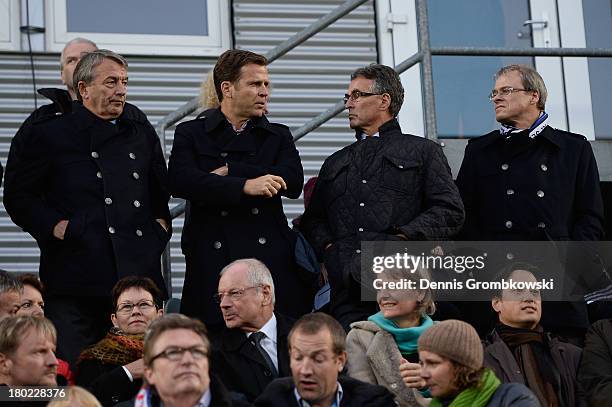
(384, 186)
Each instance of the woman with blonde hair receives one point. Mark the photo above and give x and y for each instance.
(384, 349)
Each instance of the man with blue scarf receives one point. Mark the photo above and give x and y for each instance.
(529, 181)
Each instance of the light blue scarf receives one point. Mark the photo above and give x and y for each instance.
(406, 338)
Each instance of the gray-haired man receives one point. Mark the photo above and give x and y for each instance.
(385, 186)
(90, 189)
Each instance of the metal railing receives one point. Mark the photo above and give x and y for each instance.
(423, 56)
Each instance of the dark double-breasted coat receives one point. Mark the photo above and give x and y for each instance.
(239, 365)
(545, 188)
(224, 224)
(108, 181)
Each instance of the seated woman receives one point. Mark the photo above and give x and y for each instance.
(383, 350)
(112, 369)
(32, 303)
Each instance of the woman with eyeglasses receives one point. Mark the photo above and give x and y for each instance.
(383, 350)
(112, 369)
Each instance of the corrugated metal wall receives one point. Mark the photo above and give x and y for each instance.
(305, 82)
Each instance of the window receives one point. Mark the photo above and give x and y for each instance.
(9, 25)
(150, 27)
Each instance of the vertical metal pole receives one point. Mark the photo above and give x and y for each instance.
(166, 262)
(431, 128)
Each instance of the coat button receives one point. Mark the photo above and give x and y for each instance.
(267, 373)
(95, 154)
(224, 213)
(542, 225)
(360, 229)
(509, 224)
(361, 204)
(509, 256)
(262, 240)
(223, 154)
(543, 167)
(108, 201)
(115, 399)
(254, 211)
(138, 232)
(394, 385)
(99, 174)
(217, 245)
(363, 181)
(510, 192)
(358, 251)
(132, 156)
(111, 230)
(135, 175)
(540, 194)
(401, 167)
(505, 166)
(137, 204)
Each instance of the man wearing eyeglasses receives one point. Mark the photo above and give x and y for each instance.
(529, 181)
(385, 186)
(252, 350)
(176, 371)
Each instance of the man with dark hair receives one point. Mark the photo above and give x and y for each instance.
(528, 181)
(252, 350)
(90, 188)
(519, 350)
(385, 186)
(232, 166)
(317, 349)
(10, 294)
(61, 100)
(595, 372)
(176, 355)
(451, 365)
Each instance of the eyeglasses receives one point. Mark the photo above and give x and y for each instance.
(143, 306)
(234, 294)
(358, 94)
(505, 92)
(175, 353)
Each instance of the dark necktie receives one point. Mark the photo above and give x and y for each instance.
(256, 338)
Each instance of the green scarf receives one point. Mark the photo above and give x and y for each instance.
(406, 338)
(477, 396)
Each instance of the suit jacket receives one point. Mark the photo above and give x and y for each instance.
(280, 393)
(239, 365)
(108, 180)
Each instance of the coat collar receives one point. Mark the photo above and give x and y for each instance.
(60, 97)
(495, 138)
(388, 127)
(214, 118)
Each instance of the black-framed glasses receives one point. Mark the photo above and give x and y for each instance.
(358, 94)
(175, 353)
(234, 294)
(143, 306)
(506, 91)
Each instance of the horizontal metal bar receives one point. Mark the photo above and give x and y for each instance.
(177, 210)
(534, 52)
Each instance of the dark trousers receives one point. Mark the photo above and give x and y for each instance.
(79, 321)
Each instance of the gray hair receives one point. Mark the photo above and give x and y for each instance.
(85, 69)
(531, 80)
(257, 274)
(9, 283)
(386, 80)
(77, 40)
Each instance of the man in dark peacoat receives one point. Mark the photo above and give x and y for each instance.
(89, 187)
(233, 166)
(529, 181)
(236, 356)
(385, 186)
